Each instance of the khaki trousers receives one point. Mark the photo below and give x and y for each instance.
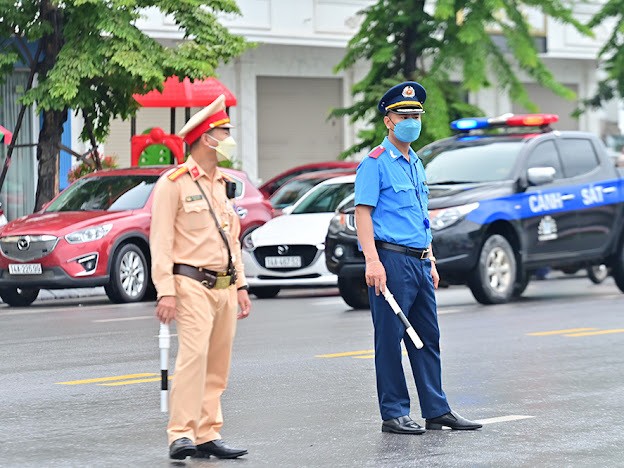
(206, 324)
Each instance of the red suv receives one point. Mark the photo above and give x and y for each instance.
(95, 233)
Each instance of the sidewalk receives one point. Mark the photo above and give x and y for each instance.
(49, 294)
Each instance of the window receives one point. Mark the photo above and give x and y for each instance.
(292, 191)
(545, 155)
(578, 156)
(324, 198)
(471, 160)
(105, 193)
(240, 186)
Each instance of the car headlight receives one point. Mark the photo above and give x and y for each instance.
(446, 217)
(248, 243)
(89, 234)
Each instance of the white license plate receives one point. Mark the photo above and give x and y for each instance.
(282, 262)
(25, 269)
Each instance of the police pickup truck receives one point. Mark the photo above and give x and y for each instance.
(502, 205)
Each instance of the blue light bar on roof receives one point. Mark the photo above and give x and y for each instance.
(470, 124)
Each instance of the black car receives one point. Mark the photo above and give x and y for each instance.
(504, 205)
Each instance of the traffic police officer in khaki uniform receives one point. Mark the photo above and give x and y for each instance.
(198, 273)
(391, 198)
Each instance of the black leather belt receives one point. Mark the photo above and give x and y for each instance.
(412, 252)
(208, 278)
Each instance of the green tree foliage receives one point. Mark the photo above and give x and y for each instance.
(402, 40)
(612, 53)
(95, 58)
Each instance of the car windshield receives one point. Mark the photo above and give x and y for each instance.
(324, 198)
(292, 191)
(105, 193)
(471, 161)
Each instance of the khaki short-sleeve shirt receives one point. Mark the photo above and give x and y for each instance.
(183, 230)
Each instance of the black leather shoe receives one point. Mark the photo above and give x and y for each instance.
(402, 425)
(219, 449)
(181, 448)
(452, 420)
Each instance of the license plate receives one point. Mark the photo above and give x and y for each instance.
(25, 269)
(282, 262)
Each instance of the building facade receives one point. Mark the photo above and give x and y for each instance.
(286, 86)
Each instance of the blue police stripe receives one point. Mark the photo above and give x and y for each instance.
(543, 202)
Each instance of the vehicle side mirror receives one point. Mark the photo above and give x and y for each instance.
(541, 175)
(288, 209)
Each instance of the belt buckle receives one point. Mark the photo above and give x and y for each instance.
(222, 282)
(423, 254)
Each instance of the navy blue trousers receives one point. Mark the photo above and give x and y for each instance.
(409, 280)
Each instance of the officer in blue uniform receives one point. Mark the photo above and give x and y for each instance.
(391, 198)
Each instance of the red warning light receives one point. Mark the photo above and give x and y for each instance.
(531, 120)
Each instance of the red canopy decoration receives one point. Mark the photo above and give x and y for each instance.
(177, 93)
(5, 136)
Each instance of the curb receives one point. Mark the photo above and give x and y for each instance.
(71, 293)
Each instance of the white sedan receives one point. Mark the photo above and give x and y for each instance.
(289, 251)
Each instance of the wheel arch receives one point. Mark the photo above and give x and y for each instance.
(137, 238)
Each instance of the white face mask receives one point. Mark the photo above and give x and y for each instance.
(225, 148)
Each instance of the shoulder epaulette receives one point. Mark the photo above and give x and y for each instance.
(177, 173)
(377, 152)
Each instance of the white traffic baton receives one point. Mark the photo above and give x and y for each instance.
(164, 342)
(408, 326)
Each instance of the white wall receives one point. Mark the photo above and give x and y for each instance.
(292, 22)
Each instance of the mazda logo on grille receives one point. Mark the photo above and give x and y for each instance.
(23, 243)
(282, 249)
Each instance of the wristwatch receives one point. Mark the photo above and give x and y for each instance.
(244, 288)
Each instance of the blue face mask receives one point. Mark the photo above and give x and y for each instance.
(407, 130)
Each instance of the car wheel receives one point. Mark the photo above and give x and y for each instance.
(265, 292)
(521, 285)
(129, 276)
(354, 292)
(597, 273)
(493, 279)
(618, 267)
(18, 297)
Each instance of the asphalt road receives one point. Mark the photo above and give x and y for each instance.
(545, 374)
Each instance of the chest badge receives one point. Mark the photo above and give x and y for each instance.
(192, 198)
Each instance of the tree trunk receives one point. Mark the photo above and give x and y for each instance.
(411, 49)
(53, 119)
(48, 156)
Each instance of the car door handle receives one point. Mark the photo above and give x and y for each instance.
(567, 196)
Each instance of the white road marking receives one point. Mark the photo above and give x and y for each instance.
(124, 319)
(512, 417)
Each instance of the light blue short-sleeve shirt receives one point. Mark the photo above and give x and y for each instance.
(397, 190)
